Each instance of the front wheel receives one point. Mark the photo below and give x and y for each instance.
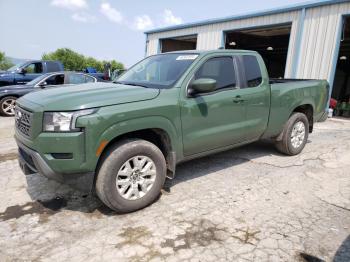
(131, 175)
(295, 135)
(7, 106)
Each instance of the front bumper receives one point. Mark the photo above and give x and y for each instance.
(31, 162)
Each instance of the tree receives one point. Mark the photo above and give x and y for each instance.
(116, 65)
(77, 62)
(5, 63)
(70, 59)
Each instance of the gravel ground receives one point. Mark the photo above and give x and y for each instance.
(247, 204)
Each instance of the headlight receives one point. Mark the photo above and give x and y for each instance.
(63, 121)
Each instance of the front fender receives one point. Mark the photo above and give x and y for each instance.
(121, 128)
(6, 80)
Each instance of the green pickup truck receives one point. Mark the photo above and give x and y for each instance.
(125, 138)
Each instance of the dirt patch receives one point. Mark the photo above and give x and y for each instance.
(9, 156)
(139, 236)
(148, 256)
(201, 233)
(133, 235)
(45, 209)
(247, 236)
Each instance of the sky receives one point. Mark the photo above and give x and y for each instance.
(105, 29)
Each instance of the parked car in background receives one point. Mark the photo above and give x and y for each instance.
(27, 71)
(126, 137)
(9, 94)
(92, 71)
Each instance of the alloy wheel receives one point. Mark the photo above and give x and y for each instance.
(298, 134)
(8, 106)
(136, 177)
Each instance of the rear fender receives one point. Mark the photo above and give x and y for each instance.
(295, 106)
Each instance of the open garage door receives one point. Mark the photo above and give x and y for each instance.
(271, 42)
(178, 43)
(341, 86)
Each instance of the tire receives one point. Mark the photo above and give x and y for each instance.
(7, 104)
(120, 165)
(288, 146)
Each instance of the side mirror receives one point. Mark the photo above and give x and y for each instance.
(203, 85)
(43, 84)
(22, 71)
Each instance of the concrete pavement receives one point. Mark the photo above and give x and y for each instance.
(247, 204)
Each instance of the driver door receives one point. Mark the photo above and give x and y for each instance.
(216, 119)
(33, 70)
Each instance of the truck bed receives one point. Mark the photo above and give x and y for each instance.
(287, 94)
(286, 80)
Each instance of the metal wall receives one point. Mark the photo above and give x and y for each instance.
(313, 40)
(211, 36)
(320, 41)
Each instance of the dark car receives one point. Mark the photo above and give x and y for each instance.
(27, 71)
(9, 94)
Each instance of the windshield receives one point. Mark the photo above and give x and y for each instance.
(19, 65)
(37, 80)
(13, 68)
(159, 71)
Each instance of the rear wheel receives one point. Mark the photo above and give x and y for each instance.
(295, 135)
(131, 176)
(7, 106)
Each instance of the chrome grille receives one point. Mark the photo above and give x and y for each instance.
(23, 120)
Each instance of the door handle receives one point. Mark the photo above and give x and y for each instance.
(238, 99)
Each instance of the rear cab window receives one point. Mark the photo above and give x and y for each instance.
(252, 71)
(53, 66)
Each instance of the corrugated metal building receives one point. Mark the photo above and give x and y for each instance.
(310, 40)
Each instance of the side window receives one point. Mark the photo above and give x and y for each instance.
(30, 68)
(252, 71)
(55, 80)
(34, 68)
(220, 69)
(52, 67)
(75, 79)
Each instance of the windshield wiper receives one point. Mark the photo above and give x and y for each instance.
(130, 84)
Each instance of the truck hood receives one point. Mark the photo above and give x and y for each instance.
(88, 96)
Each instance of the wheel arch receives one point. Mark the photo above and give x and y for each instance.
(308, 110)
(9, 94)
(164, 136)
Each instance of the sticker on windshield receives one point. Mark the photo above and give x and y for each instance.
(187, 57)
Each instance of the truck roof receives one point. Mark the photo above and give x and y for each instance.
(230, 51)
(38, 61)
